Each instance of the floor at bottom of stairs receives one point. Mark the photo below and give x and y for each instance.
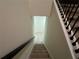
(39, 52)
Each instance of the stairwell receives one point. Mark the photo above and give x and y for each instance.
(39, 52)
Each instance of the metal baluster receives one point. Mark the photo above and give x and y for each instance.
(74, 33)
(74, 43)
(67, 12)
(61, 11)
(73, 25)
(77, 50)
(72, 17)
(65, 8)
(66, 5)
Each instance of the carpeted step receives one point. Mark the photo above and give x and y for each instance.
(39, 48)
(39, 55)
(39, 52)
(39, 58)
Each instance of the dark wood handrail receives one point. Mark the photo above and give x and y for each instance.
(17, 50)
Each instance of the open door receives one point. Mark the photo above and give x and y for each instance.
(39, 28)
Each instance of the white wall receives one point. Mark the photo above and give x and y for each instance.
(55, 40)
(15, 24)
(40, 7)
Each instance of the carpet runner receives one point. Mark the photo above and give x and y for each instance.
(39, 52)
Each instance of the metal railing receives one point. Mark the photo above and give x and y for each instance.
(69, 10)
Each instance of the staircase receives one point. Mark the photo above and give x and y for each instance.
(69, 11)
(39, 52)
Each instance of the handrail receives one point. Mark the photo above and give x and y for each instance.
(17, 50)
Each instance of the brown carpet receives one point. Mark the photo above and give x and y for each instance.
(39, 52)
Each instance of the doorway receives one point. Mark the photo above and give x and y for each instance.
(39, 29)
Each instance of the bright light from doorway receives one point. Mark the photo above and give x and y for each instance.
(39, 28)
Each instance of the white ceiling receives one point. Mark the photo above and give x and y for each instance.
(40, 7)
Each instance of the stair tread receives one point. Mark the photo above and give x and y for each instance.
(40, 48)
(39, 58)
(39, 52)
(39, 55)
